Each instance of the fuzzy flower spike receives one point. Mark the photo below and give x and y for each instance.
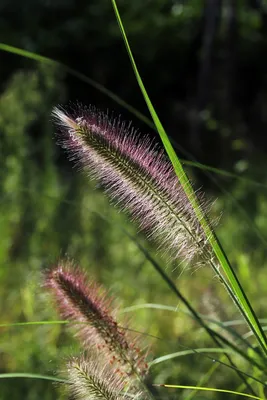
(86, 305)
(137, 176)
(92, 379)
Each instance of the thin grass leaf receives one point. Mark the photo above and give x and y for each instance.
(46, 60)
(221, 324)
(26, 375)
(183, 353)
(239, 207)
(10, 324)
(235, 322)
(223, 172)
(218, 361)
(207, 389)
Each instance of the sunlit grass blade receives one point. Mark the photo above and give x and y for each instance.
(191, 161)
(27, 375)
(183, 353)
(156, 306)
(208, 389)
(232, 283)
(243, 213)
(205, 352)
(237, 205)
(10, 324)
(235, 322)
(46, 60)
(223, 172)
(249, 334)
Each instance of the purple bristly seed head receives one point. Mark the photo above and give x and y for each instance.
(87, 306)
(137, 176)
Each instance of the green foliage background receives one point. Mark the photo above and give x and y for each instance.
(48, 209)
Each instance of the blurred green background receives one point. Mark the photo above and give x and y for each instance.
(204, 65)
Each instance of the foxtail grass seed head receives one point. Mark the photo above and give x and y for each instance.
(137, 176)
(90, 378)
(88, 307)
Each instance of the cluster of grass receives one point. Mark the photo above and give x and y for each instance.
(47, 212)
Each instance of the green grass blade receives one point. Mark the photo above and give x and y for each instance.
(183, 353)
(241, 210)
(243, 213)
(223, 172)
(8, 325)
(219, 362)
(234, 288)
(208, 389)
(31, 376)
(249, 334)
